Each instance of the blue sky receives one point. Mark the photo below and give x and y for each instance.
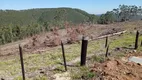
(91, 6)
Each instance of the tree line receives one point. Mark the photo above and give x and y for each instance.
(16, 32)
(123, 13)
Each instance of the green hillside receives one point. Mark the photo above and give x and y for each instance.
(25, 17)
(15, 25)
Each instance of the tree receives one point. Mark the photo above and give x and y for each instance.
(46, 26)
(16, 32)
(126, 13)
(107, 18)
(93, 18)
(116, 13)
(10, 32)
(102, 19)
(2, 36)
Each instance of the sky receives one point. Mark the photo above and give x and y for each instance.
(90, 6)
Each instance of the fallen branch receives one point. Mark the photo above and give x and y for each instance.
(113, 34)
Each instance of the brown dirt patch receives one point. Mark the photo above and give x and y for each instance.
(53, 39)
(118, 70)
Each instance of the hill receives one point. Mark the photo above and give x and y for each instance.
(25, 17)
(15, 25)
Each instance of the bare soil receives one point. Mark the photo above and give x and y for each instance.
(118, 70)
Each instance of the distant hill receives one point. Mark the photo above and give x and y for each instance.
(25, 17)
(98, 14)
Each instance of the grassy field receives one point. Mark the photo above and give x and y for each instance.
(33, 62)
(11, 68)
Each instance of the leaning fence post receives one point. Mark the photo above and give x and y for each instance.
(22, 63)
(107, 51)
(106, 42)
(83, 51)
(64, 58)
(136, 40)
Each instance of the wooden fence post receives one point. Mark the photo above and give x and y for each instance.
(22, 63)
(136, 40)
(83, 51)
(106, 42)
(107, 51)
(64, 58)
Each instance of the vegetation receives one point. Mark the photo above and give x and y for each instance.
(64, 14)
(106, 18)
(15, 25)
(26, 17)
(123, 13)
(82, 73)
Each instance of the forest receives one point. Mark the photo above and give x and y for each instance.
(19, 24)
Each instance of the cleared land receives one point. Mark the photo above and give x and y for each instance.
(44, 62)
